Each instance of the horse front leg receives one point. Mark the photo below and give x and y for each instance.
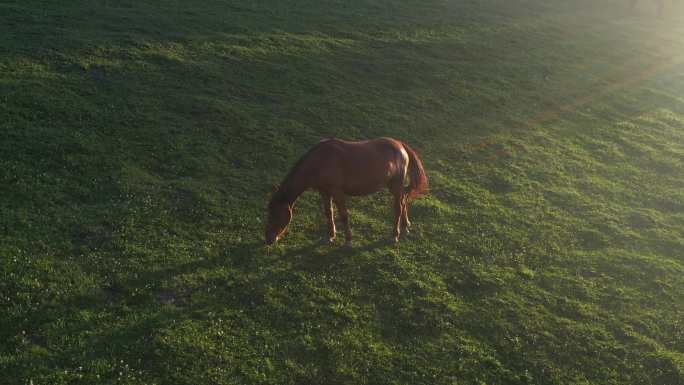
(329, 216)
(340, 202)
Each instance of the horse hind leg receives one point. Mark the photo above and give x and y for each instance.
(398, 212)
(406, 224)
(400, 198)
(396, 188)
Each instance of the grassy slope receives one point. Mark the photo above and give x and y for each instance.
(138, 141)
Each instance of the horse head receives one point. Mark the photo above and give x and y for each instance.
(279, 217)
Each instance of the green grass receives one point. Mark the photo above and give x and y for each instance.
(139, 141)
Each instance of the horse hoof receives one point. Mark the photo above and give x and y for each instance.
(396, 240)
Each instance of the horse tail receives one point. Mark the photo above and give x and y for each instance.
(419, 182)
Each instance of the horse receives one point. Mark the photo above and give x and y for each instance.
(338, 168)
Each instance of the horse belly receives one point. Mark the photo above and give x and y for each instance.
(361, 191)
(365, 186)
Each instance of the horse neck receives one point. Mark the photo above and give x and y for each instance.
(294, 185)
(299, 179)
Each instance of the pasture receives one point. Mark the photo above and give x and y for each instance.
(139, 141)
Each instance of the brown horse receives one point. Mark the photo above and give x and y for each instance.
(337, 168)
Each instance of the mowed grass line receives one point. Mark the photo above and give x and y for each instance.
(139, 143)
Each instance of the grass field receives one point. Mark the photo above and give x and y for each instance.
(139, 141)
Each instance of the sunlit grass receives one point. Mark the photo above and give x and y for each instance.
(140, 141)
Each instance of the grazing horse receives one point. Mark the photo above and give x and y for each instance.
(337, 168)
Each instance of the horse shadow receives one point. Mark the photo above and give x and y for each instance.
(318, 257)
